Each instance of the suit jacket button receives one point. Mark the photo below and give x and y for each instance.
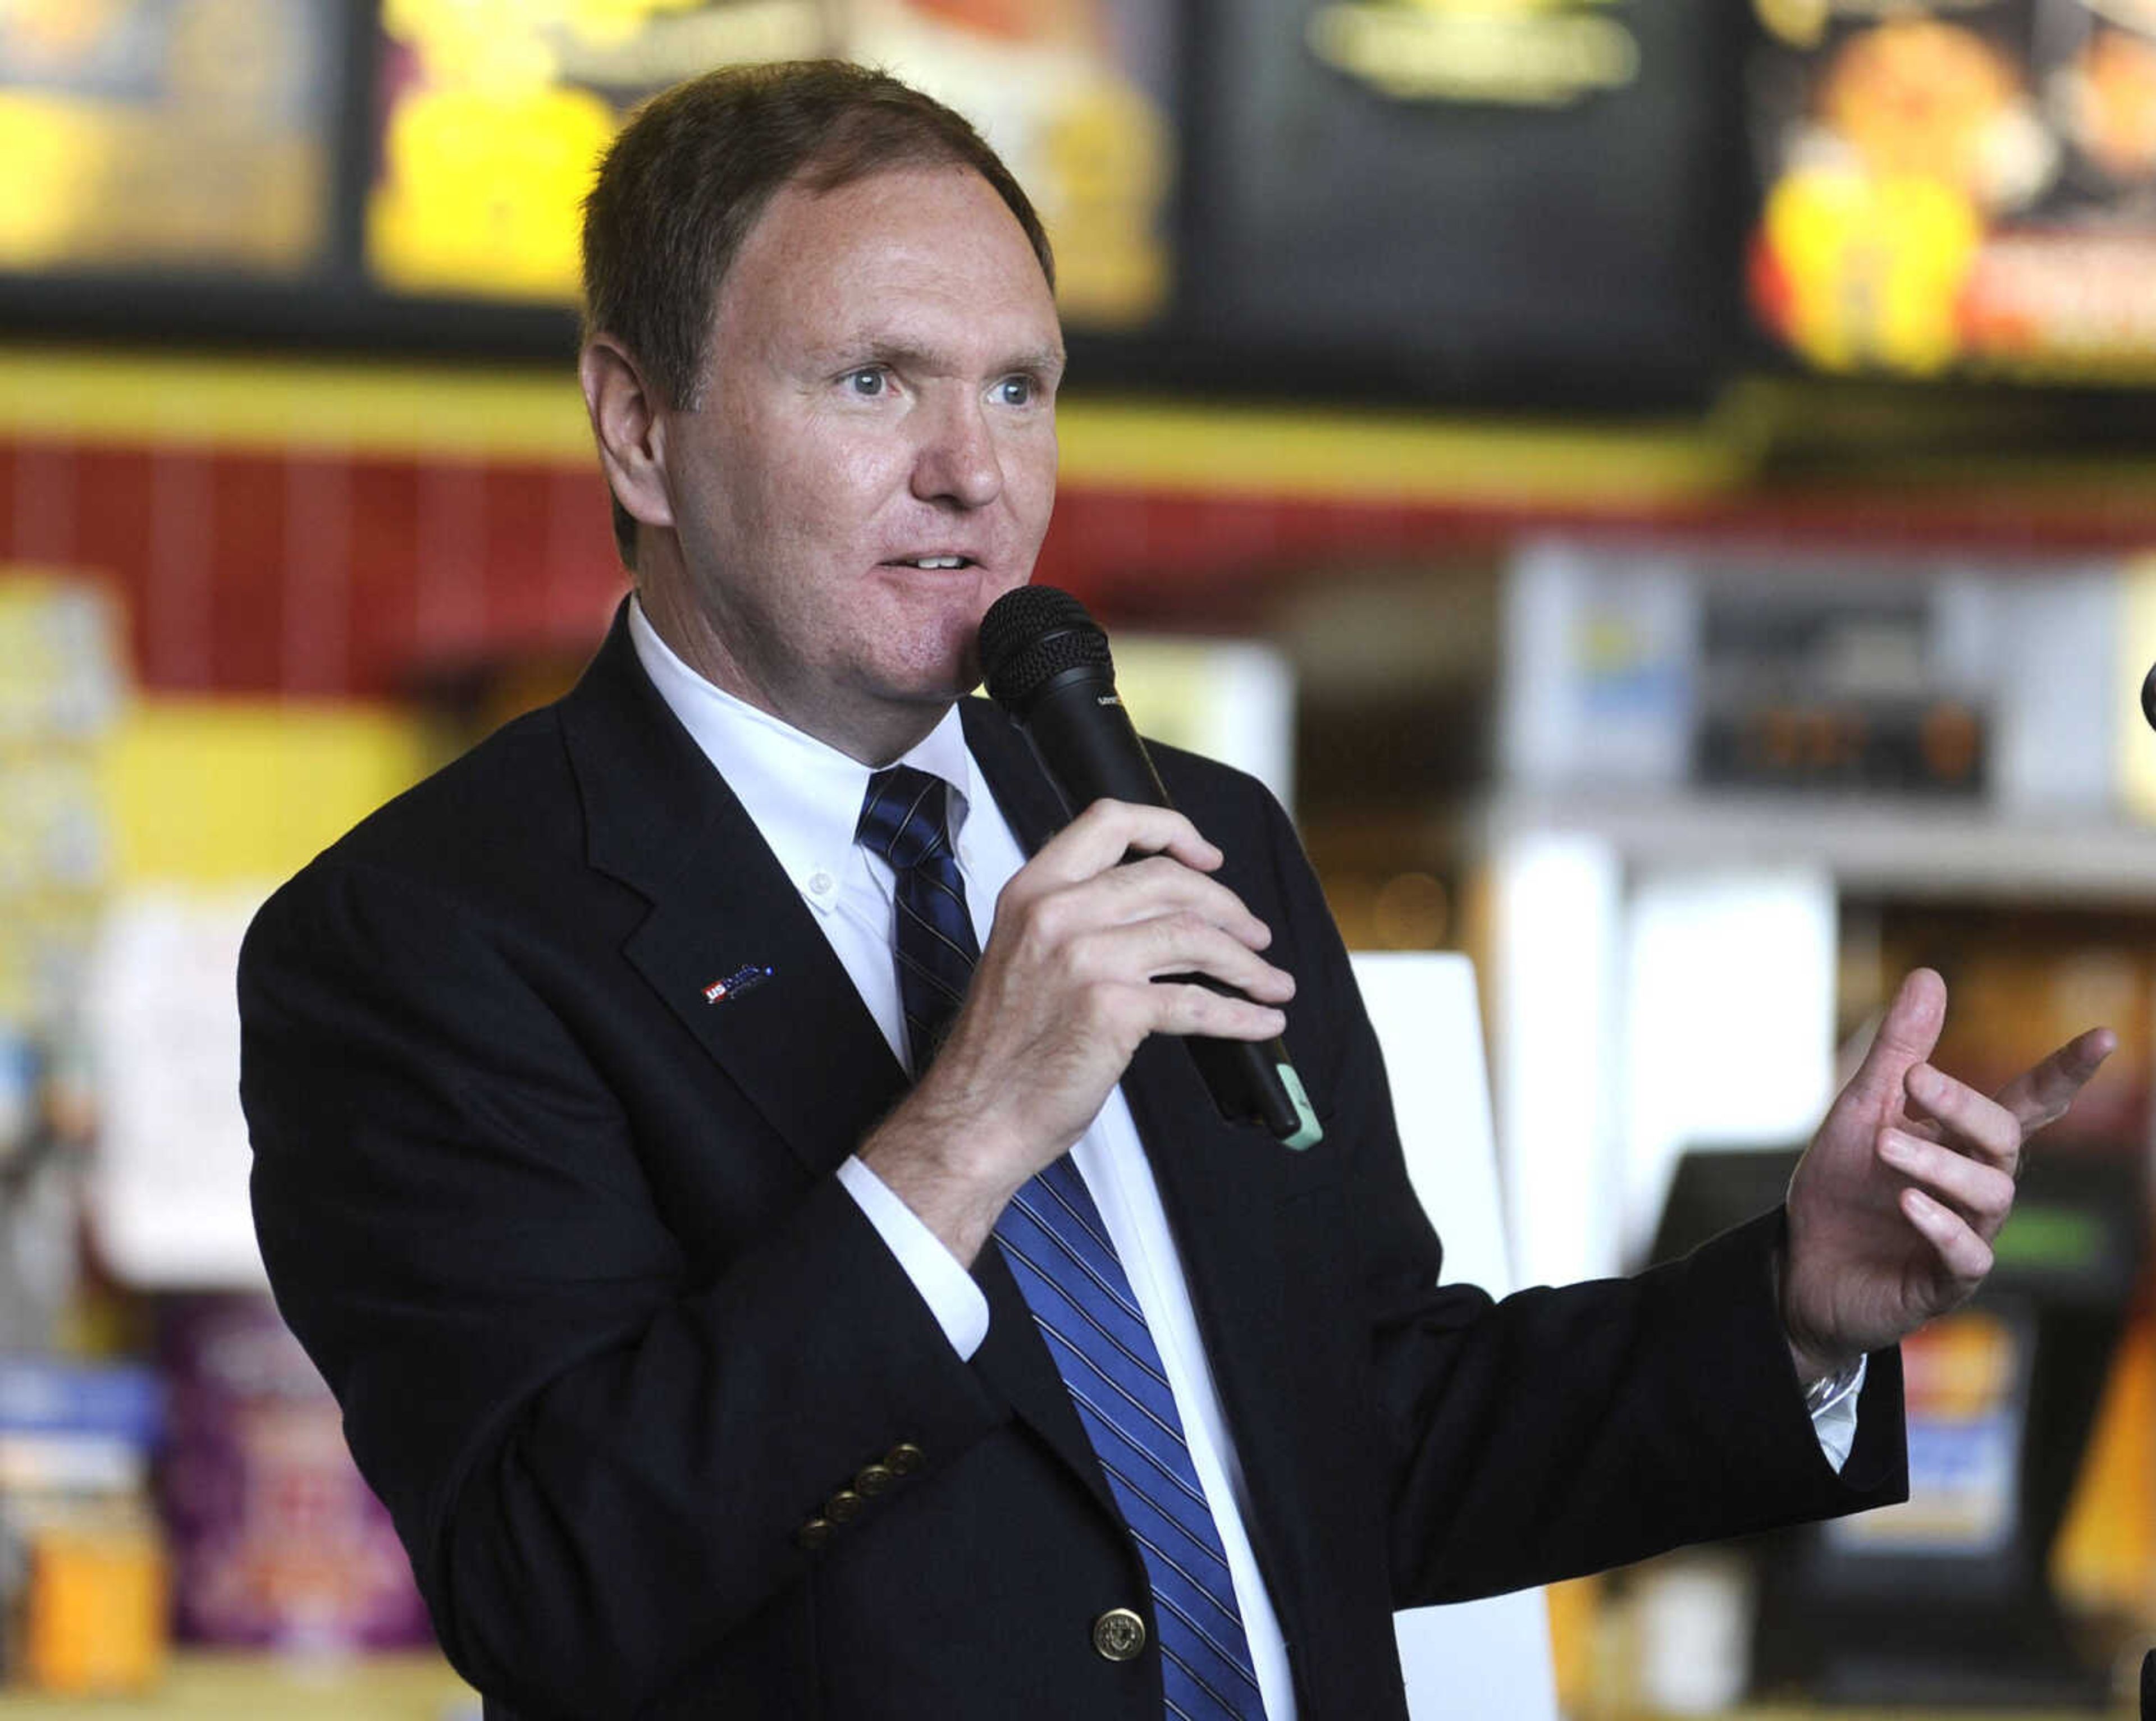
(904, 1458)
(812, 1534)
(1118, 1635)
(874, 1479)
(842, 1507)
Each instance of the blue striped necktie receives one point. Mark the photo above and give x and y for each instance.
(902, 822)
(1054, 1238)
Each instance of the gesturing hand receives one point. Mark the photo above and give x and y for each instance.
(1894, 1205)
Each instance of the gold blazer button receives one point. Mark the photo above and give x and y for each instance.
(842, 1507)
(874, 1479)
(812, 1534)
(1118, 1635)
(904, 1458)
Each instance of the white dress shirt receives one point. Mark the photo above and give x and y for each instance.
(805, 798)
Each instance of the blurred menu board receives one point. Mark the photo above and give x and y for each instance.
(493, 117)
(1528, 201)
(1471, 197)
(1959, 186)
(143, 135)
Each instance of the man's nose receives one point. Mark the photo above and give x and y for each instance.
(958, 461)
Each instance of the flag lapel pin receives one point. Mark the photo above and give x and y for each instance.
(741, 980)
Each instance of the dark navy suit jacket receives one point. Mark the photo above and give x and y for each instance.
(564, 1238)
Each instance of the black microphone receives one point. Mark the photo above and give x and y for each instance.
(2148, 696)
(1047, 664)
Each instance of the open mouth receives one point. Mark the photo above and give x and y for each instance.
(932, 563)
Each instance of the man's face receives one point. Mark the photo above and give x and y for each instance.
(872, 462)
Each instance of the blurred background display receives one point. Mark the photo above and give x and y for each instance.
(1417, 200)
(1964, 185)
(492, 117)
(168, 136)
(1467, 196)
(408, 174)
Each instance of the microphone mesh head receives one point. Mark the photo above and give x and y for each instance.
(1030, 636)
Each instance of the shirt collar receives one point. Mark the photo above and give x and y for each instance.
(804, 795)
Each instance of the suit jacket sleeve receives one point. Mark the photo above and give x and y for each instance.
(1560, 1431)
(599, 1460)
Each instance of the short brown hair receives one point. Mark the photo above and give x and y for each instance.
(695, 166)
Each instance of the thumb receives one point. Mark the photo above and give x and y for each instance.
(1906, 1034)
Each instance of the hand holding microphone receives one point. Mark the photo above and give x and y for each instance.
(1112, 932)
(1047, 663)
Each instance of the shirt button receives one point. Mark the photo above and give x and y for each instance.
(1118, 1635)
(821, 882)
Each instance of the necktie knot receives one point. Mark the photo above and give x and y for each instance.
(902, 819)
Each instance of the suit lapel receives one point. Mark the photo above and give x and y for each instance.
(789, 1028)
(1029, 800)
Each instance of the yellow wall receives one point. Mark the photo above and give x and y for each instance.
(533, 413)
(216, 791)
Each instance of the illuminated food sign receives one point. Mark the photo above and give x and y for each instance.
(189, 136)
(494, 115)
(1962, 187)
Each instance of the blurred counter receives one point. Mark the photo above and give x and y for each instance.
(198, 1687)
(421, 1688)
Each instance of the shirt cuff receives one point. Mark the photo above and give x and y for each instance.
(960, 1306)
(1834, 1411)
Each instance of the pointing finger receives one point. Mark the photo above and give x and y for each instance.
(2041, 1095)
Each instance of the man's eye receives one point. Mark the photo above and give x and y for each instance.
(1016, 391)
(868, 381)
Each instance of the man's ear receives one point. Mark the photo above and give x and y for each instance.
(632, 436)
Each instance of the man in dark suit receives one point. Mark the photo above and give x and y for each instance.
(686, 1267)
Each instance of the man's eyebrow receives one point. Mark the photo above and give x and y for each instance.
(905, 355)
